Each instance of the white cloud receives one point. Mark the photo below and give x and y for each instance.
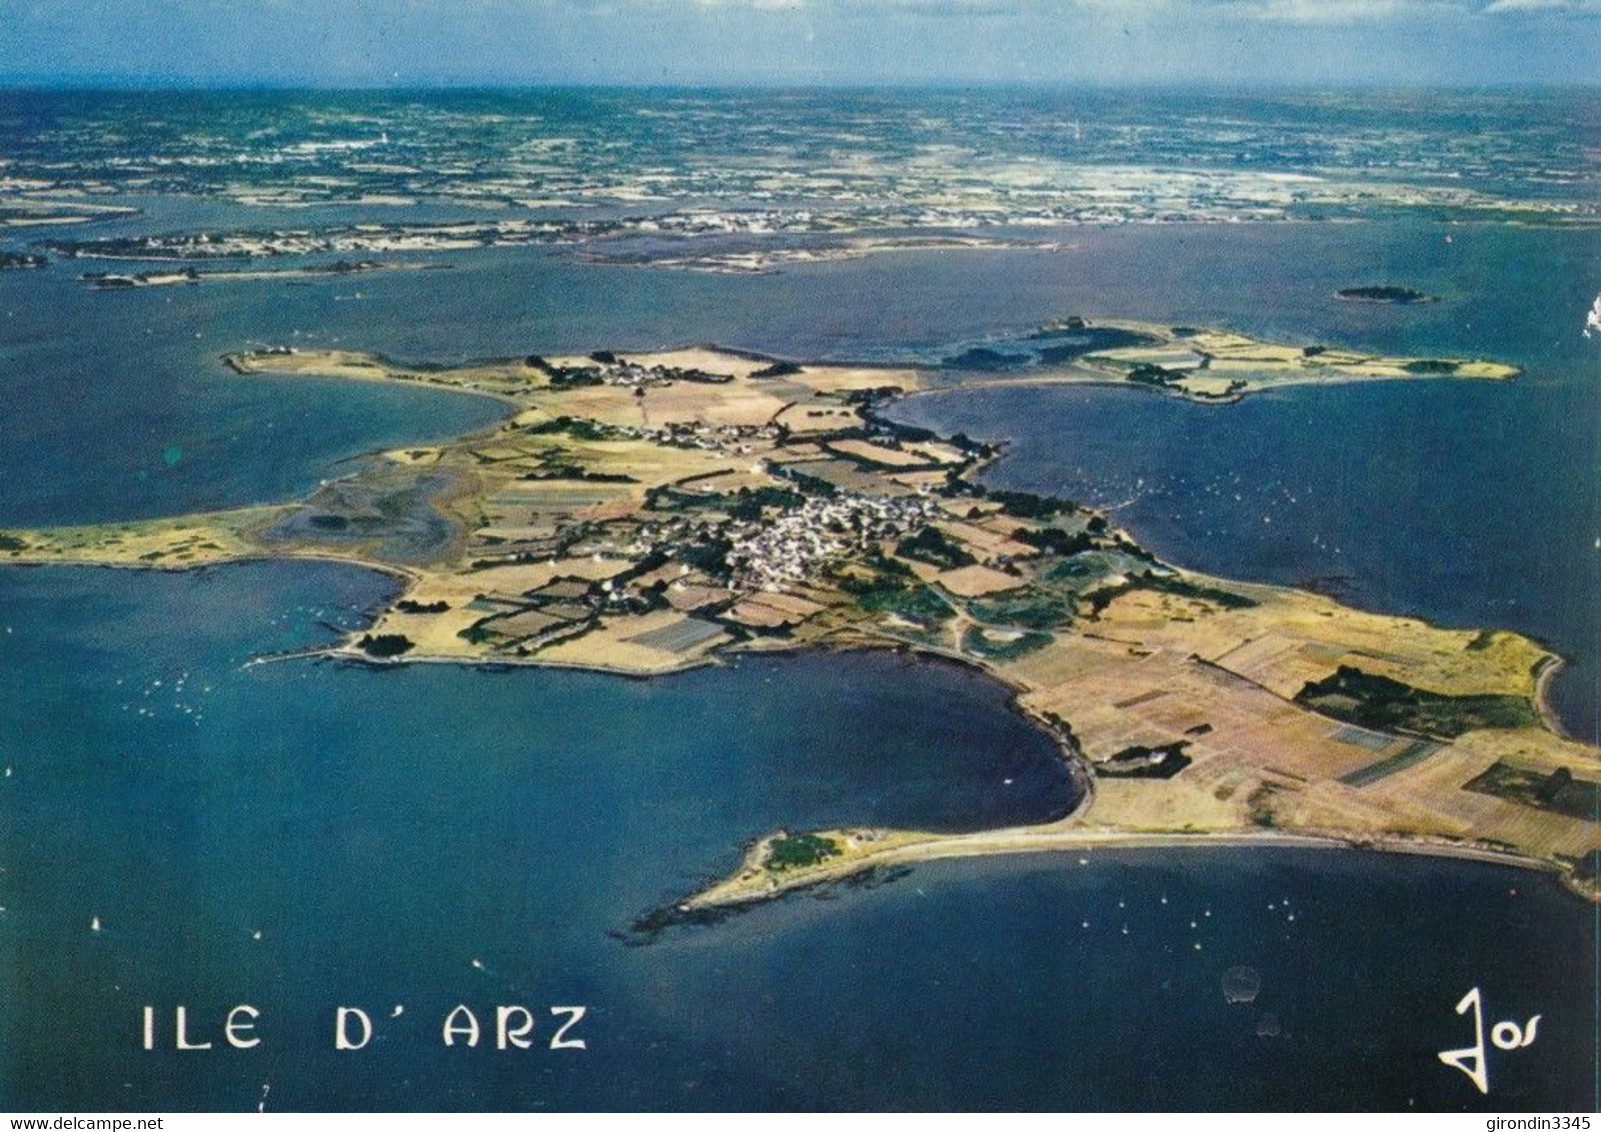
(1333, 13)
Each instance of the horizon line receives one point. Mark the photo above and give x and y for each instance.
(114, 84)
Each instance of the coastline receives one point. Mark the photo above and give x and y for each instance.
(1550, 668)
(1109, 811)
(1093, 381)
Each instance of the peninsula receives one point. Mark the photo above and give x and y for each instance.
(113, 281)
(646, 513)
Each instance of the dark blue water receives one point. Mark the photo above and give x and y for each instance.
(385, 830)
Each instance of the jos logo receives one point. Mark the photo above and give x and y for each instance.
(1503, 1035)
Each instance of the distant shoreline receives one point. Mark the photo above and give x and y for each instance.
(1392, 296)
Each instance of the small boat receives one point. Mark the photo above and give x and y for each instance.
(94, 924)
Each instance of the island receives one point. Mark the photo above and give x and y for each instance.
(645, 513)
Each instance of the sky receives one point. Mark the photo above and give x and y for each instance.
(408, 43)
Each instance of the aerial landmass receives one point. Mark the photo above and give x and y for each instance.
(647, 513)
(1385, 293)
(116, 281)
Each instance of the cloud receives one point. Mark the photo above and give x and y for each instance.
(1572, 7)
